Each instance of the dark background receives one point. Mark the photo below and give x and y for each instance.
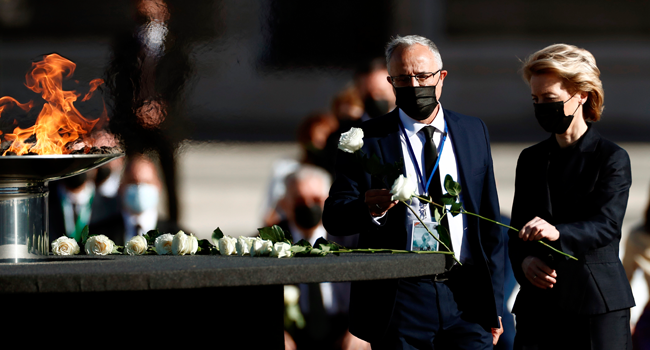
(250, 70)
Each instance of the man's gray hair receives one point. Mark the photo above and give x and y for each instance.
(410, 40)
(307, 171)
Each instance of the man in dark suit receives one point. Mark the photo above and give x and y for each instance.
(461, 307)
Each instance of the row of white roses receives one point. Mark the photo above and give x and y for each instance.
(178, 244)
(253, 246)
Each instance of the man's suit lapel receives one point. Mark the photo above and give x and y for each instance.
(462, 147)
(390, 146)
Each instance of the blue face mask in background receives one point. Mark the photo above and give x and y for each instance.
(140, 197)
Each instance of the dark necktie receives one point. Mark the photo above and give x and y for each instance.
(434, 190)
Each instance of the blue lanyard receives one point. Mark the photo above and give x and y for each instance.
(415, 160)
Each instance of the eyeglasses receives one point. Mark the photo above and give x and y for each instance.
(405, 80)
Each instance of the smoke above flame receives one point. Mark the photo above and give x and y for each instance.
(59, 125)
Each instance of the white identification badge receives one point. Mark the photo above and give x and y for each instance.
(420, 239)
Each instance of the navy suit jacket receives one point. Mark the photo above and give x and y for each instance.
(346, 213)
(598, 179)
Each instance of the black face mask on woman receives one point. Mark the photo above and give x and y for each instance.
(551, 116)
(418, 102)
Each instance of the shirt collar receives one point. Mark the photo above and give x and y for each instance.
(297, 235)
(413, 126)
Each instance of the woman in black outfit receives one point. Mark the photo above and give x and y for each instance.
(571, 191)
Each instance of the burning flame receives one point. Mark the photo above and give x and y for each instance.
(59, 122)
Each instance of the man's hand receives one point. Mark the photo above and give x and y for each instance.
(537, 229)
(538, 273)
(496, 332)
(379, 201)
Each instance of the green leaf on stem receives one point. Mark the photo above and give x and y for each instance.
(452, 187)
(117, 249)
(332, 246)
(151, 236)
(436, 214)
(448, 199)
(303, 243)
(455, 208)
(205, 247)
(84, 235)
(217, 234)
(274, 234)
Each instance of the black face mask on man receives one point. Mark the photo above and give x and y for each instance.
(418, 102)
(375, 108)
(551, 116)
(308, 216)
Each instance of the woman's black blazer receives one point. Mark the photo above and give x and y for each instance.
(598, 176)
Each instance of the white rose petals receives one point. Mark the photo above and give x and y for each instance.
(351, 141)
(244, 245)
(136, 246)
(227, 245)
(281, 250)
(403, 189)
(183, 244)
(163, 244)
(261, 247)
(99, 245)
(65, 246)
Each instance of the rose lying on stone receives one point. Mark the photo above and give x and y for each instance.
(244, 245)
(183, 244)
(163, 244)
(403, 189)
(351, 141)
(281, 250)
(99, 245)
(227, 245)
(65, 246)
(261, 247)
(136, 246)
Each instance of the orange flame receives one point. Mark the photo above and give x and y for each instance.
(59, 122)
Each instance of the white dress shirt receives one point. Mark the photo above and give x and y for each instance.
(147, 221)
(330, 304)
(447, 166)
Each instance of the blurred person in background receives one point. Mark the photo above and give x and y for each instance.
(71, 205)
(139, 194)
(324, 305)
(371, 96)
(107, 182)
(571, 190)
(374, 91)
(637, 256)
(312, 136)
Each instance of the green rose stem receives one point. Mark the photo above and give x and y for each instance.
(436, 238)
(463, 211)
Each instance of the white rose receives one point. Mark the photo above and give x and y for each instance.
(351, 141)
(193, 244)
(163, 244)
(227, 245)
(243, 245)
(136, 246)
(291, 295)
(281, 250)
(261, 247)
(181, 244)
(99, 245)
(65, 246)
(403, 189)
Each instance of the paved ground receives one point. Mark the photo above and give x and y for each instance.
(223, 185)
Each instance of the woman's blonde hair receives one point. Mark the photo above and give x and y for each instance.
(577, 67)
